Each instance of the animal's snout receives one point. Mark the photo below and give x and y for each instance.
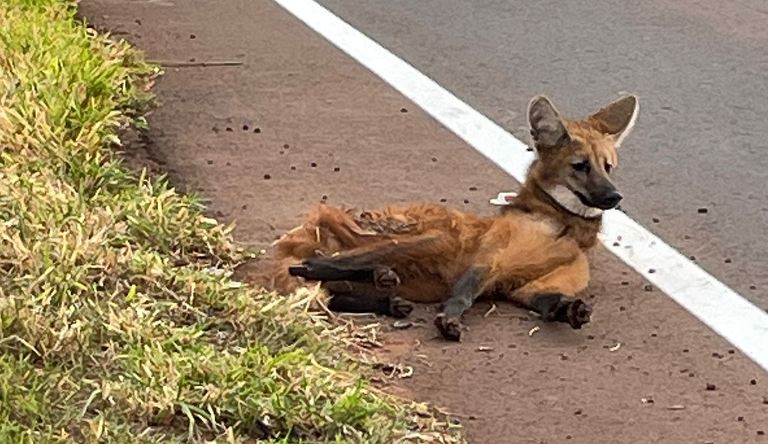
(610, 200)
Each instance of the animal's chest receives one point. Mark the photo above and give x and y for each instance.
(527, 249)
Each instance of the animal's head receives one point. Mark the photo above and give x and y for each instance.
(577, 157)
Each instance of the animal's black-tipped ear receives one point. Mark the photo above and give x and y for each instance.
(547, 127)
(617, 118)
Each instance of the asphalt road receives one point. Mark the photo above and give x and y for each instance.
(699, 68)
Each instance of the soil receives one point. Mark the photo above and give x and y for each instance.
(298, 123)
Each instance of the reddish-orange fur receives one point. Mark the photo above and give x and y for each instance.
(534, 247)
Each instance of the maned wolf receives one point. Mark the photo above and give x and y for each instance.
(534, 252)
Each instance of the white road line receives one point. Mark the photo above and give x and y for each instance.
(722, 309)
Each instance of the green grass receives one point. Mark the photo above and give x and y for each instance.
(118, 319)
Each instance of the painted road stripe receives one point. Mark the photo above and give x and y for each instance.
(722, 309)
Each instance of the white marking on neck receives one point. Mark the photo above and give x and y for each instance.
(571, 202)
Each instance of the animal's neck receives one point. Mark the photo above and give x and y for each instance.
(578, 223)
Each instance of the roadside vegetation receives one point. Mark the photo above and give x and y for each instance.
(119, 321)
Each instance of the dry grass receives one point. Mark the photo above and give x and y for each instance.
(118, 319)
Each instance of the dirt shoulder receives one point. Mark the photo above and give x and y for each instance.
(298, 123)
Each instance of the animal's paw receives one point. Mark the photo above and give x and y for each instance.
(399, 307)
(578, 313)
(555, 307)
(450, 328)
(385, 277)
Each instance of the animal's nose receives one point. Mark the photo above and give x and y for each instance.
(611, 199)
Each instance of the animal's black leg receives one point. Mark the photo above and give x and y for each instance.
(557, 307)
(328, 269)
(463, 295)
(350, 298)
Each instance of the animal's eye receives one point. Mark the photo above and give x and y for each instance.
(582, 167)
(608, 167)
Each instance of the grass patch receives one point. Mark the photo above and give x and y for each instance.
(118, 319)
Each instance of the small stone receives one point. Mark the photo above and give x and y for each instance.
(313, 164)
(655, 220)
(728, 261)
(703, 210)
(443, 200)
(336, 169)
(711, 387)
(293, 168)
(648, 287)
(651, 270)
(257, 130)
(228, 129)
(245, 127)
(740, 418)
(192, 36)
(434, 159)
(286, 146)
(267, 177)
(753, 382)
(403, 110)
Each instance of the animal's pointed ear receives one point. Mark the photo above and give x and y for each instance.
(617, 118)
(547, 127)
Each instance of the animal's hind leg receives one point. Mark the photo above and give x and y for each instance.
(364, 264)
(360, 298)
(553, 295)
(329, 269)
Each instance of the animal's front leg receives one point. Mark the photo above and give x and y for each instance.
(463, 294)
(553, 295)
